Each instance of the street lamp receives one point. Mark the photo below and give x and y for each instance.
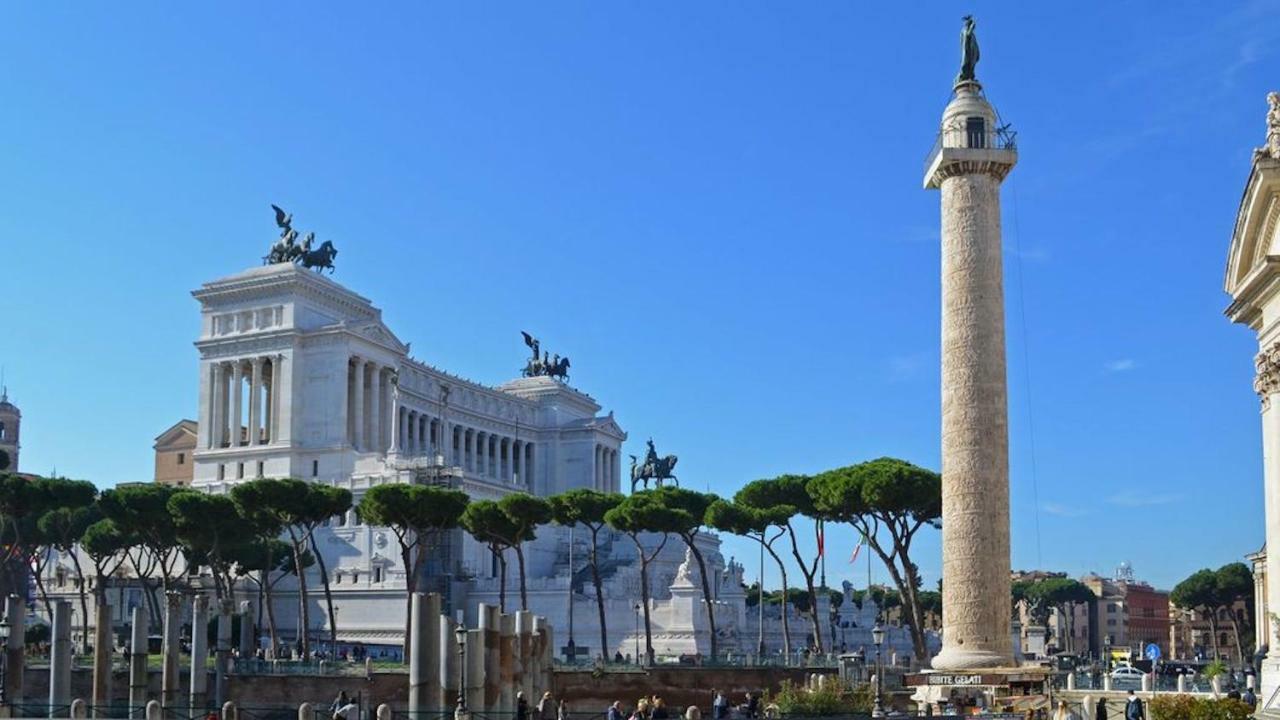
(460, 636)
(637, 633)
(4, 659)
(877, 637)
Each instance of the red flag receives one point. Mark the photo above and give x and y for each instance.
(822, 540)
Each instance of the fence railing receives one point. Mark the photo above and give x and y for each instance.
(961, 137)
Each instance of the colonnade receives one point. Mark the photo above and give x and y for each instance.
(229, 405)
(368, 405)
(480, 452)
(607, 469)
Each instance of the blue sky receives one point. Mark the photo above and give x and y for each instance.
(714, 209)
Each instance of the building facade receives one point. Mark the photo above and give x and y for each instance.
(10, 433)
(175, 448)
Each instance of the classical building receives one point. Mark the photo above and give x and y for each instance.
(10, 428)
(1252, 277)
(174, 449)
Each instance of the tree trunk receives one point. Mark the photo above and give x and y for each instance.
(524, 595)
(271, 617)
(907, 592)
(1213, 632)
(1235, 628)
(808, 583)
(644, 600)
(304, 613)
(706, 591)
(84, 601)
(786, 624)
(599, 586)
(502, 581)
(44, 594)
(328, 594)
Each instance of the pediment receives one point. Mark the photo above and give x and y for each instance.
(378, 333)
(1257, 229)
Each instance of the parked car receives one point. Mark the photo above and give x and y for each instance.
(1127, 674)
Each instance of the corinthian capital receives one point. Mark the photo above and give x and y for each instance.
(1267, 381)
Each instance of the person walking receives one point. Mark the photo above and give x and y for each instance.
(615, 711)
(1101, 714)
(1133, 709)
(719, 706)
(660, 710)
(522, 707)
(547, 707)
(1063, 712)
(562, 710)
(1249, 697)
(753, 705)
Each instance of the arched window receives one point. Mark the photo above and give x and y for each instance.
(2, 430)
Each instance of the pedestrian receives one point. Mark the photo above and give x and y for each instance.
(659, 710)
(642, 710)
(692, 713)
(1133, 708)
(753, 705)
(1249, 698)
(562, 710)
(522, 707)
(1101, 714)
(719, 706)
(547, 707)
(615, 711)
(1233, 692)
(338, 702)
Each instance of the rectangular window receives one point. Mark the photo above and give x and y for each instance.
(315, 468)
(239, 471)
(1111, 622)
(182, 458)
(222, 471)
(259, 468)
(976, 129)
(377, 574)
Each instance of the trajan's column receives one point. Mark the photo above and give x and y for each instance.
(972, 157)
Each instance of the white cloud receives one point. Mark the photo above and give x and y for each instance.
(1135, 499)
(1121, 365)
(1061, 510)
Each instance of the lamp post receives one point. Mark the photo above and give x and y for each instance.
(460, 636)
(4, 659)
(877, 637)
(571, 650)
(637, 633)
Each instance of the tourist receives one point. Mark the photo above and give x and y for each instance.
(522, 707)
(642, 710)
(1133, 708)
(338, 701)
(692, 713)
(547, 707)
(753, 705)
(1249, 698)
(1101, 713)
(659, 710)
(1233, 692)
(719, 706)
(1063, 712)
(615, 711)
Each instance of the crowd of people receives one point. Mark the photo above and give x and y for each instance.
(655, 708)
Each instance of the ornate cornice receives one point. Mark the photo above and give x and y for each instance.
(1267, 381)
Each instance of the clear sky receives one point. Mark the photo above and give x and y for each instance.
(715, 209)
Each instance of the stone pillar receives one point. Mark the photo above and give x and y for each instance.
(975, 436)
(237, 391)
(449, 665)
(469, 454)
(60, 659)
(217, 413)
(101, 657)
(137, 663)
(357, 405)
(548, 653)
(154, 711)
(248, 631)
(169, 683)
(524, 665)
(541, 653)
(490, 627)
(475, 675)
(280, 420)
(15, 649)
(199, 682)
(506, 662)
(255, 402)
(424, 653)
(1182, 683)
(1071, 681)
(375, 410)
(222, 653)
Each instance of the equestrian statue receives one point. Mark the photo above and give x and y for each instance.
(657, 469)
(288, 250)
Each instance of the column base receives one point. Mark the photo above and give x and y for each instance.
(959, 658)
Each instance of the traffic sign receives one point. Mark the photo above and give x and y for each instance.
(1152, 652)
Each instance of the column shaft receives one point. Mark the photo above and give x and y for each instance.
(237, 394)
(255, 402)
(358, 437)
(375, 411)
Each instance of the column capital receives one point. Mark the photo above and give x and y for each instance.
(1267, 380)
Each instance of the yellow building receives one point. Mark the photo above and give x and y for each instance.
(173, 454)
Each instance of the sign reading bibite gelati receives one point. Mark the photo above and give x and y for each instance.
(956, 680)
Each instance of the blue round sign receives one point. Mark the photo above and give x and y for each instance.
(1152, 652)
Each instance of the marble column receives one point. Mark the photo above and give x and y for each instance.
(199, 682)
(450, 669)
(277, 391)
(255, 402)
(424, 653)
(469, 454)
(410, 430)
(60, 660)
(217, 411)
(490, 627)
(248, 630)
(375, 410)
(138, 663)
(237, 396)
(358, 438)
(975, 422)
(505, 465)
(506, 662)
(169, 683)
(475, 675)
(523, 677)
(482, 454)
(222, 652)
(102, 645)
(15, 648)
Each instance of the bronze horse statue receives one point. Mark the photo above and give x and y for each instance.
(319, 259)
(657, 469)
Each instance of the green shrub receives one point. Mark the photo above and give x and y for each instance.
(1186, 707)
(832, 699)
(1214, 669)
